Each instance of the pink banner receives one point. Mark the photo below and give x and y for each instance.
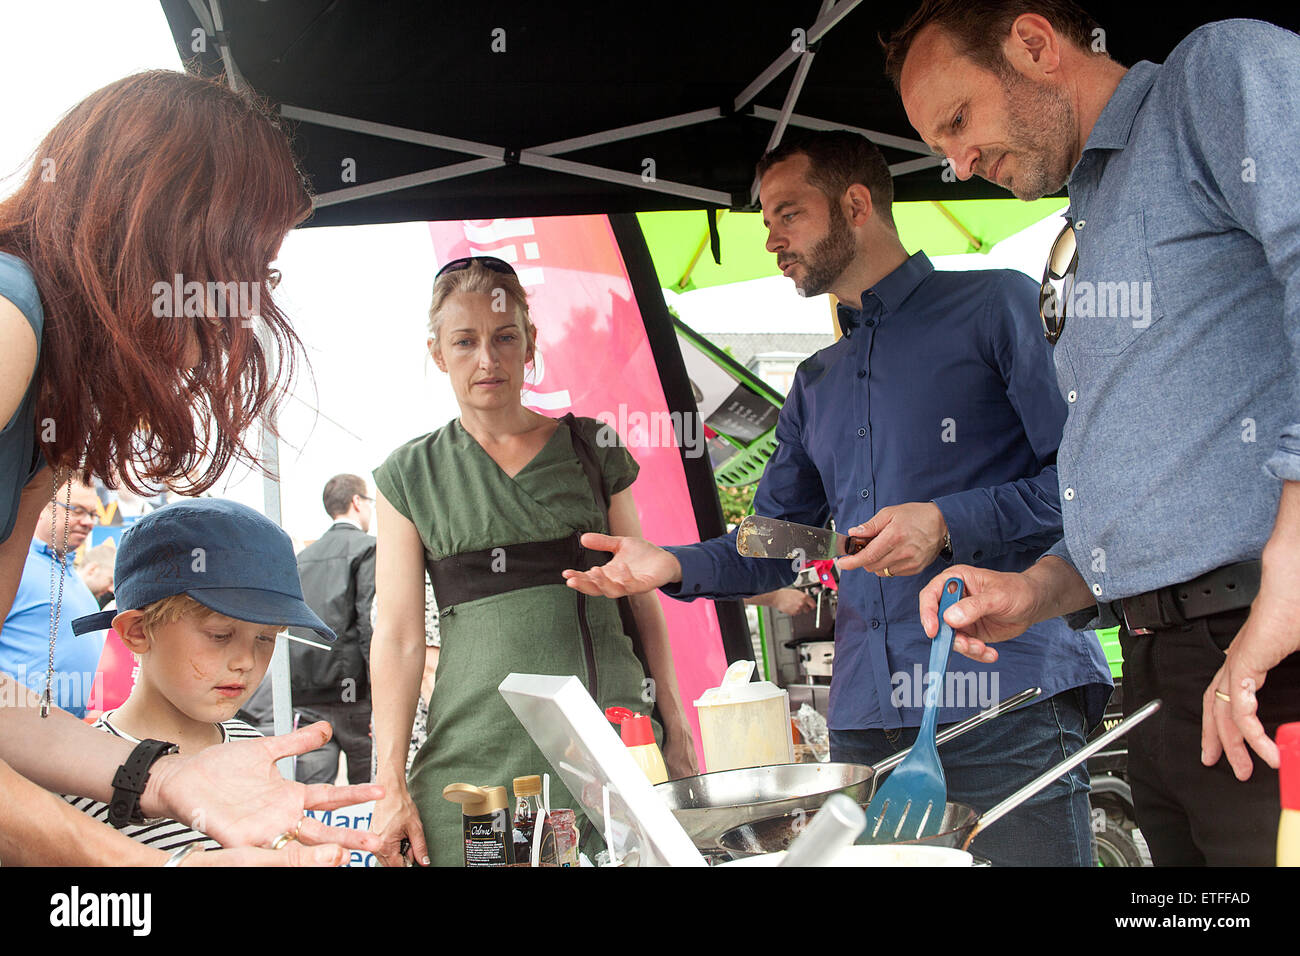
(593, 358)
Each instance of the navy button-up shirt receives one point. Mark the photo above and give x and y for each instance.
(941, 390)
(1181, 345)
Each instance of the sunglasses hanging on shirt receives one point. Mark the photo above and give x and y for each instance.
(1058, 278)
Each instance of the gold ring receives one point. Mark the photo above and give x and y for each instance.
(1223, 697)
(888, 573)
(286, 837)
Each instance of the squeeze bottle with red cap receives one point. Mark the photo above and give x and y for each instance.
(1288, 828)
(639, 736)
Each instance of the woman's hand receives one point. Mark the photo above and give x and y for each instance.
(396, 819)
(235, 794)
(293, 854)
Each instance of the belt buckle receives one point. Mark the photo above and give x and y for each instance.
(1135, 631)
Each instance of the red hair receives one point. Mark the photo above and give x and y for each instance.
(156, 174)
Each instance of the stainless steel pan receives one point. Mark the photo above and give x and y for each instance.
(709, 804)
(957, 828)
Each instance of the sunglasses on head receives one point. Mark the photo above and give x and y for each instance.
(488, 262)
(1062, 263)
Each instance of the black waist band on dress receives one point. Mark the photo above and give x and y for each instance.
(472, 575)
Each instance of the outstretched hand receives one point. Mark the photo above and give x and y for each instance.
(235, 794)
(637, 567)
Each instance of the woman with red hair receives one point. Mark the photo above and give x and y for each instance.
(139, 342)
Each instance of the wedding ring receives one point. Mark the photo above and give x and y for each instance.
(888, 573)
(286, 837)
(1223, 697)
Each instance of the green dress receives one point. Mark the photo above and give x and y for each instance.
(460, 501)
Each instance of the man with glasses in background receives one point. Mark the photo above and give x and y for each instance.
(1172, 300)
(25, 644)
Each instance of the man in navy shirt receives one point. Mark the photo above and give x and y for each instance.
(931, 426)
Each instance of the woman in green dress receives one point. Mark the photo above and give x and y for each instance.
(493, 504)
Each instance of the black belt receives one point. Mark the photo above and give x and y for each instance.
(471, 575)
(1229, 588)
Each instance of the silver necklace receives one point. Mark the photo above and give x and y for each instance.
(56, 603)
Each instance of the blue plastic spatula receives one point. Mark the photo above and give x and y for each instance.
(912, 801)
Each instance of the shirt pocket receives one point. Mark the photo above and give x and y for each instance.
(1113, 303)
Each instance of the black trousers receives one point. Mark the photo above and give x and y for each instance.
(351, 723)
(1190, 814)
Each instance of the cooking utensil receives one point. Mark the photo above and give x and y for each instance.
(759, 537)
(835, 827)
(962, 830)
(958, 823)
(707, 805)
(910, 802)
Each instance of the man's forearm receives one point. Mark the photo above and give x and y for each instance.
(1060, 589)
(1280, 562)
(39, 829)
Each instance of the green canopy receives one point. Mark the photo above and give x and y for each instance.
(679, 241)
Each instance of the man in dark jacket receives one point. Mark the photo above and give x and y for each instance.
(333, 684)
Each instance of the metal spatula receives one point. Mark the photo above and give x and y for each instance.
(911, 802)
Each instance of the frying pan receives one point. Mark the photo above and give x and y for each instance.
(958, 826)
(709, 804)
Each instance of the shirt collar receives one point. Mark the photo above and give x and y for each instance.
(890, 292)
(41, 548)
(342, 520)
(1115, 123)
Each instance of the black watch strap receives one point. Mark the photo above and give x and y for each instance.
(129, 781)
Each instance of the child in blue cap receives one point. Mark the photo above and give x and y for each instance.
(203, 587)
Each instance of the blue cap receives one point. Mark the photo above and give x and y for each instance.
(224, 555)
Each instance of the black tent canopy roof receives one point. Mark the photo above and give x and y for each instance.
(407, 109)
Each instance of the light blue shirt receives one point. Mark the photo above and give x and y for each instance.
(25, 639)
(1180, 359)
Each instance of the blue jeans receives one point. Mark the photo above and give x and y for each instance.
(986, 765)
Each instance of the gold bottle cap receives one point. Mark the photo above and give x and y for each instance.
(529, 786)
(476, 801)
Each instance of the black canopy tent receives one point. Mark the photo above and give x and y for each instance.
(412, 110)
(462, 110)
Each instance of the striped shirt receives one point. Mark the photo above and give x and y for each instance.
(161, 834)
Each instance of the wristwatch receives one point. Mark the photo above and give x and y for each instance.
(130, 779)
(946, 551)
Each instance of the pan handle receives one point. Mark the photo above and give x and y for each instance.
(970, 723)
(1038, 783)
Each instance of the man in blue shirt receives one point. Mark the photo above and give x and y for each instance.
(25, 638)
(931, 426)
(1180, 460)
